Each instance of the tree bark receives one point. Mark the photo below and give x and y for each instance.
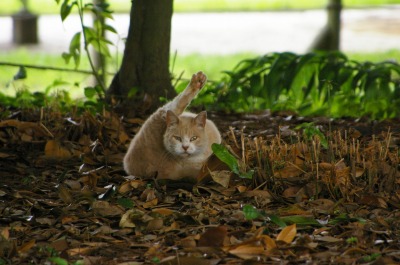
(145, 64)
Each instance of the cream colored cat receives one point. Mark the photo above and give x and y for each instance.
(173, 144)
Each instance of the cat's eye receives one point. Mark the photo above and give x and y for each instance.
(178, 138)
(194, 138)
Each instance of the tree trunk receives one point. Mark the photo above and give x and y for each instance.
(145, 64)
(329, 37)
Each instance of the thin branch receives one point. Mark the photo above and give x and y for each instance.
(95, 73)
(39, 67)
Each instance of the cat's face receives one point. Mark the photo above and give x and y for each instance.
(185, 135)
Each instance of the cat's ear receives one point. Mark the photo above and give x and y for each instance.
(201, 119)
(171, 118)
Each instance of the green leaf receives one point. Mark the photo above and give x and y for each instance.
(21, 74)
(75, 44)
(371, 257)
(58, 261)
(225, 156)
(247, 175)
(310, 130)
(90, 92)
(66, 9)
(132, 92)
(110, 28)
(277, 220)
(74, 50)
(250, 212)
(126, 203)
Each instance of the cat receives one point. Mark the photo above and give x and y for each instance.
(173, 144)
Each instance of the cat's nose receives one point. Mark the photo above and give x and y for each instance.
(185, 147)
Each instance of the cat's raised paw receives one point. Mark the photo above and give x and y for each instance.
(198, 80)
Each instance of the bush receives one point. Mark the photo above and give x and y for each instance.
(311, 84)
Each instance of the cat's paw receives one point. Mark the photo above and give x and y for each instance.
(198, 81)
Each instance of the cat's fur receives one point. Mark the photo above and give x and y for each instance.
(173, 144)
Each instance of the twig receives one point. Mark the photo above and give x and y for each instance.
(51, 68)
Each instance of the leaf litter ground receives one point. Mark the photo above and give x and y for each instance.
(322, 191)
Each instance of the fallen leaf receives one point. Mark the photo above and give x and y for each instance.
(287, 234)
(213, 237)
(163, 211)
(27, 246)
(268, 242)
(5, 233)
(104, 208)
(129, 217)
(222, 177)
(155, 224)
(174, 260)
(64, 194)
(248, 251)
(55, 150)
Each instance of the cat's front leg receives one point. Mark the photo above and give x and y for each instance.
(197, 82)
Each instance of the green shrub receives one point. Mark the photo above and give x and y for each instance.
(311, 84)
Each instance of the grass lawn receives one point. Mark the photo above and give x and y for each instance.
(8, 7)
(213, 65)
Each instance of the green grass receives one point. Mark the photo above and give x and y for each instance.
(212, 65)
(39, 80)
(8, 7)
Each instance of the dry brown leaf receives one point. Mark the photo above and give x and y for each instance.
(55, 150)
(64, 194)
(268, 242)
(32, 129)
(60, 245)
(176, 260)
(248, 251)
(155, 224)
(173, 226)
(137, 121)
(294, 209)
(130, 185)
(291, 192)
(163, 211)
(5, 155)
(213, 237)
(325, 166)
(104, 208)
(46, 221)
(260, 194)
(222, 177)
(241, 188)
(5, 233)
(148, 195)
(73, 184)
(27, 246)
(322, 204)
(151, 203)
(327, 239)
(289, 171)
(69, 219)
(359, 172)
(79, 251)
(187, 242)
(128, 219)
(373, 201)
(287, 234)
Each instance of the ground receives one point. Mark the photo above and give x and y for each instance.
(326, 192)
